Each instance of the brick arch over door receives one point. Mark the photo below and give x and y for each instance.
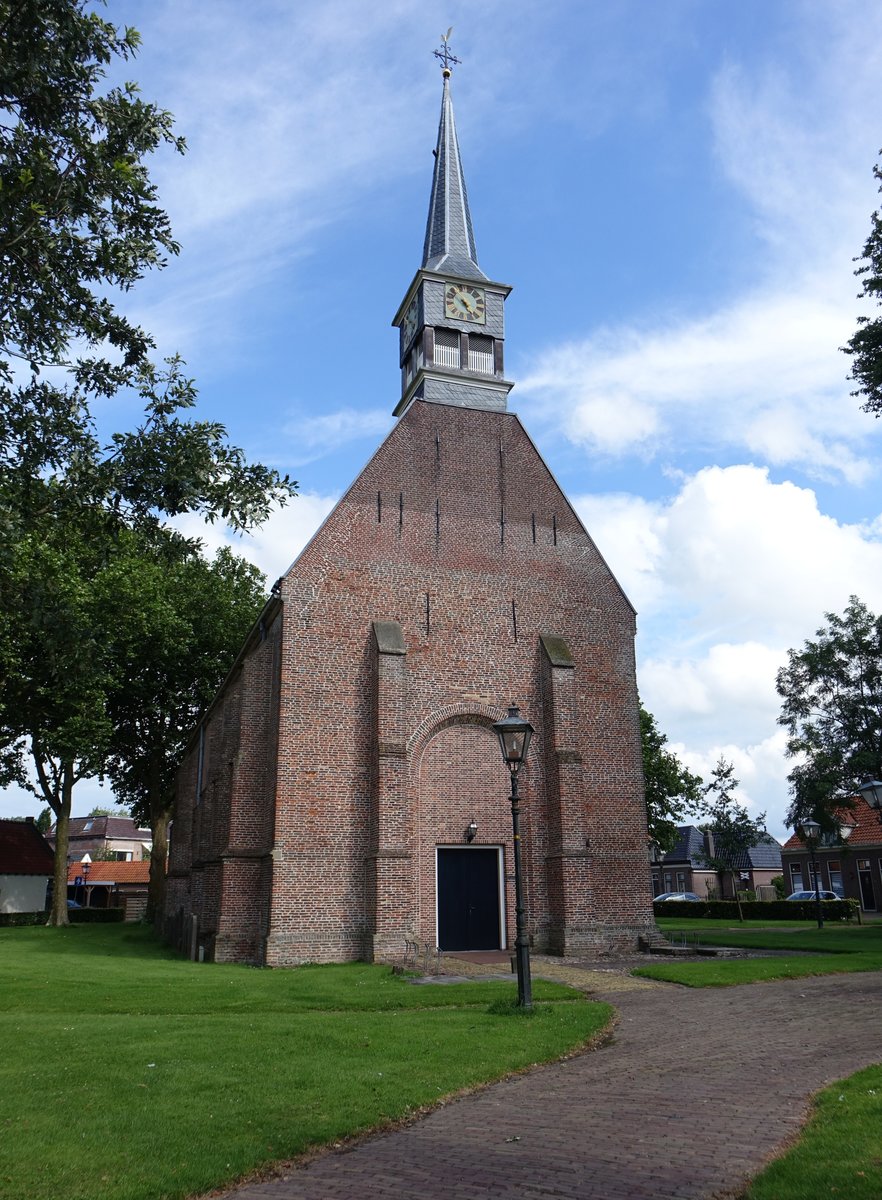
(459, 777)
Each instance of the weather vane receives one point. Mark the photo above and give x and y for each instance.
(444, 53)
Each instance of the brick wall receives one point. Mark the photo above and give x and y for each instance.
(408, 624)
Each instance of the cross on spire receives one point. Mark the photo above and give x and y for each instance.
(444, 53)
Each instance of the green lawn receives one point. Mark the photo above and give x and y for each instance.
(130, 1074)
(839, 1152)
(836, 949)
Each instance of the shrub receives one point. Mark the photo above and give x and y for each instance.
(95, 916)
(758, 910)
(29, 918)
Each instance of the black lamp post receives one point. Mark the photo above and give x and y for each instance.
(514, 735)
(810, 831)
(87, 867)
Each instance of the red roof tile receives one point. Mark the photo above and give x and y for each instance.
(24, 850)
(866, 831)
(111, 872)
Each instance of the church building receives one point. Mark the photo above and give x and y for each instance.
(345, 791)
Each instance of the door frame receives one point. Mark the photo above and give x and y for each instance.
(500, 883)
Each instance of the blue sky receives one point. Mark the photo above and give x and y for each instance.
(675, 190)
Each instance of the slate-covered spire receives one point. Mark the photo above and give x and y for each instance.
(450, 240)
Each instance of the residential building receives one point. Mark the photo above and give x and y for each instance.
(26, 866)
(850, 866)
(685, 867)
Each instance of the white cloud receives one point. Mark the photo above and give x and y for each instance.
(728, 574)
(277, 543)
(314, 436)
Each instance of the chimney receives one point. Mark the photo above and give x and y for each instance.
(709, 848)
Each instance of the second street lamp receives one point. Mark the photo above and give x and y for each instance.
(514, 735)
(810, 831)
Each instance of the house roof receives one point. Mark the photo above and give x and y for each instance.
(112, 872)
(24, 850)
(866, 827)
(96, 828)
(765, 855)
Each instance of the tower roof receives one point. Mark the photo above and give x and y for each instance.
(450, 241)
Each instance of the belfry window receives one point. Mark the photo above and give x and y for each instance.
(446, 348)
(480, 353)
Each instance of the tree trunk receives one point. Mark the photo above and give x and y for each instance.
(61, 807)
(159, 823)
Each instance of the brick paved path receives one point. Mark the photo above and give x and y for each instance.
(697, 1089)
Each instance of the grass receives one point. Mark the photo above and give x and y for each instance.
(835, 949)
(838, 1154)
(130, 1074)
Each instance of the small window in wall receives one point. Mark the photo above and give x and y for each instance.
(480, 353)
(669, 882)
(681, 881)
(796, 877)
(447, 348)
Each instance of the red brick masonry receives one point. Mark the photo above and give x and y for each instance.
(354, 738)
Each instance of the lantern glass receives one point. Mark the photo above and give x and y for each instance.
(514, 735)
(810, 830)
(871, 790)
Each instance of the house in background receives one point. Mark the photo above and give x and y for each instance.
(110, 885)
(850, 867)
(26, 865)
(685, 867)
(119, 836)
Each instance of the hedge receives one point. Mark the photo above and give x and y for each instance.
(76, 916)
(759, 910)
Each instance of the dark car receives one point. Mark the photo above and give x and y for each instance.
(677, 896)
(811, 895)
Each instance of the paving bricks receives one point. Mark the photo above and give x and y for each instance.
(697, 1089)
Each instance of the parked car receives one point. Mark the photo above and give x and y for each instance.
(677, 896)
(73, 904)
(811, 895)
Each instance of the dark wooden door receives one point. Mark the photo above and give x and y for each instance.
(468, 899)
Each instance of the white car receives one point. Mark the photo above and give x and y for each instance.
(811, 895)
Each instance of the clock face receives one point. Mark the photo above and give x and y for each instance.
(465, 303)
(410, 320)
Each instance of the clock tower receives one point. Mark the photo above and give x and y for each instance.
(451, 321)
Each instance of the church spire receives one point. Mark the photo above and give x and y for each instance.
(450, 239)
(451, 321)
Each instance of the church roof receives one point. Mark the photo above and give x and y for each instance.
(450, 240)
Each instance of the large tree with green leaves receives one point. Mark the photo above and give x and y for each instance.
(193, 616)
(79, 226)
(672, 791)
(732, 831)
(831, 692)
(865, 345)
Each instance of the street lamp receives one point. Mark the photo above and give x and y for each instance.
(514, 735)
(811, 831)
(871, 790)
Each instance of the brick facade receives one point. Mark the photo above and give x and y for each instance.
(353, 738)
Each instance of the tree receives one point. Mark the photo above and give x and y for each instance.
(731, 828)
(193, 617)
(831, 694)
(79, 225)
(865, 345)
(671, 789)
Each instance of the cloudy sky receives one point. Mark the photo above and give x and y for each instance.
(676, 191)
